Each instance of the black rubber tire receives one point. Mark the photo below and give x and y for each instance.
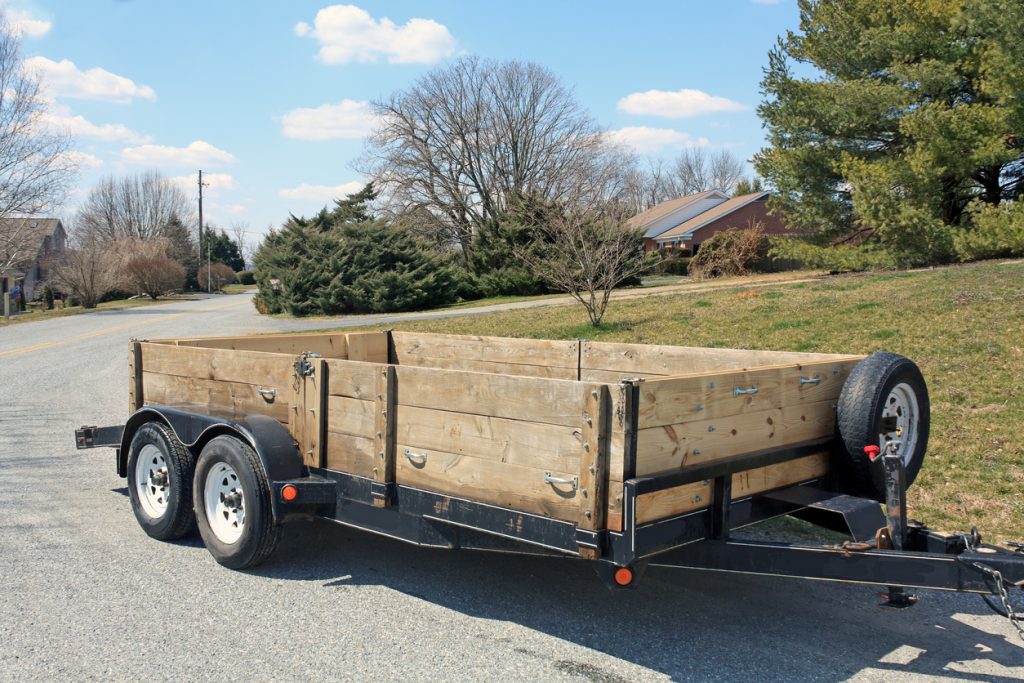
(859, 415)
(178, 519)
(259, 535)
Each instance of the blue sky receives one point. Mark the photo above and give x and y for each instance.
(268, 98)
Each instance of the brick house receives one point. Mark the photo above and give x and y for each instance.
(684, 223)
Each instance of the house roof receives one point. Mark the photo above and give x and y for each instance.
(712, 214)
(659, 211)
(36, 230)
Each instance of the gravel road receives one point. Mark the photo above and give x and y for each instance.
(84, 594)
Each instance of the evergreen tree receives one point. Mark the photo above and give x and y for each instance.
(914, 111)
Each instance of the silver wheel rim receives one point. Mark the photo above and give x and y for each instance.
(152, 481)
(901, 404)
(224, 503)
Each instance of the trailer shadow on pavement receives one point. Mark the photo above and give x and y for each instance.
(682, 623)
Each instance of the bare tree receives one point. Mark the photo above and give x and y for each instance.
(451, 152)
(89, 268)
(697, 170)
(217, 274)
(150, 271)
(238, 232)
(35, 166)
(587, 253)
(138, 206)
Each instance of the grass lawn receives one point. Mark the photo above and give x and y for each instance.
(963, 325)
(237, 289)
(120, 304)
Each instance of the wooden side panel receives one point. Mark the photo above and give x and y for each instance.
(712, 395)
(487, 480)
(248, 367)
(231, 399)
(352, 379)
(634, 360)
(526, 444)
(350, 454)
(501, 355)
(689, 497)
(327, 345)
(549, 401)
(670, 447)
(368, 347)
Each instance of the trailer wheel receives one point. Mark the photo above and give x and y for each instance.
(884, 400)
(160, 472)
(233, 504)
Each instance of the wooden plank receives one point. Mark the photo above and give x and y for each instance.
(368, 347)
(689, 497)
(233, 399)
(414, 348)
(594, 471)
(613, 376)
(330, 345)
(487, 481)
(644, 359)
(350, 454)
(352, 379)
(469, 365)
(350, 416)
(671, 400)
(136, 391)
(530, 444)
(248, 367)
(384, 428)
(313, 410)
(661, 449)
(551, 401)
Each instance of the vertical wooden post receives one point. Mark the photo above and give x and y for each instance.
(314, 389)
(135, 393)
(593, 486)
(385, 400)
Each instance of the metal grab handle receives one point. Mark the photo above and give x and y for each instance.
(415, 458)
(812, 380)
(574, 482)
(268, 394)
(737, 391)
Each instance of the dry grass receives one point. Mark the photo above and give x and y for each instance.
(963, 325)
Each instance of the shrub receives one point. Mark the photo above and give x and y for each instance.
(730, 253)
(673, 263)
(998, 231)
(154, 274)
(48, 297)
(246, 277)
(309, 269)
(215, 276)
(835, 259)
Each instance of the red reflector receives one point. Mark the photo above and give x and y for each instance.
(872, 451)
(289, 492)
(623, 576)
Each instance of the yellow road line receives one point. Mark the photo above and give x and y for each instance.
(110, 330)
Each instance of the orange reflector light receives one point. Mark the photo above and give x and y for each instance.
(623, 576)
(289, 492)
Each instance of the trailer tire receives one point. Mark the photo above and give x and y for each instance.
(160, 470)
(233, 504)
(883, 385)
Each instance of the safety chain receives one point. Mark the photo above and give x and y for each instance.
(1004, 598)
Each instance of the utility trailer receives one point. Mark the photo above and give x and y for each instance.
(621, 454)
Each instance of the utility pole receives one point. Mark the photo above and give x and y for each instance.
(201, 186)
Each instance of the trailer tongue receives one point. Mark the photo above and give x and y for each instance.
(628, 456)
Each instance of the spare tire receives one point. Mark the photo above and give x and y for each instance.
(883, 401)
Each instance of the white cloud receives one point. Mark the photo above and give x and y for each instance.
(64, 79)
(346, 119)
(645, 139)
(212, 181)
(24, 24)
(198, 153)
(347, 33)
(61, 119)
(678, 104)
(320, 193)
(233, 209)
(82, 159)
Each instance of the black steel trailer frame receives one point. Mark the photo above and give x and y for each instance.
(886, 548)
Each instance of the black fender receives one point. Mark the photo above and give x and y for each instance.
(275, 447)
